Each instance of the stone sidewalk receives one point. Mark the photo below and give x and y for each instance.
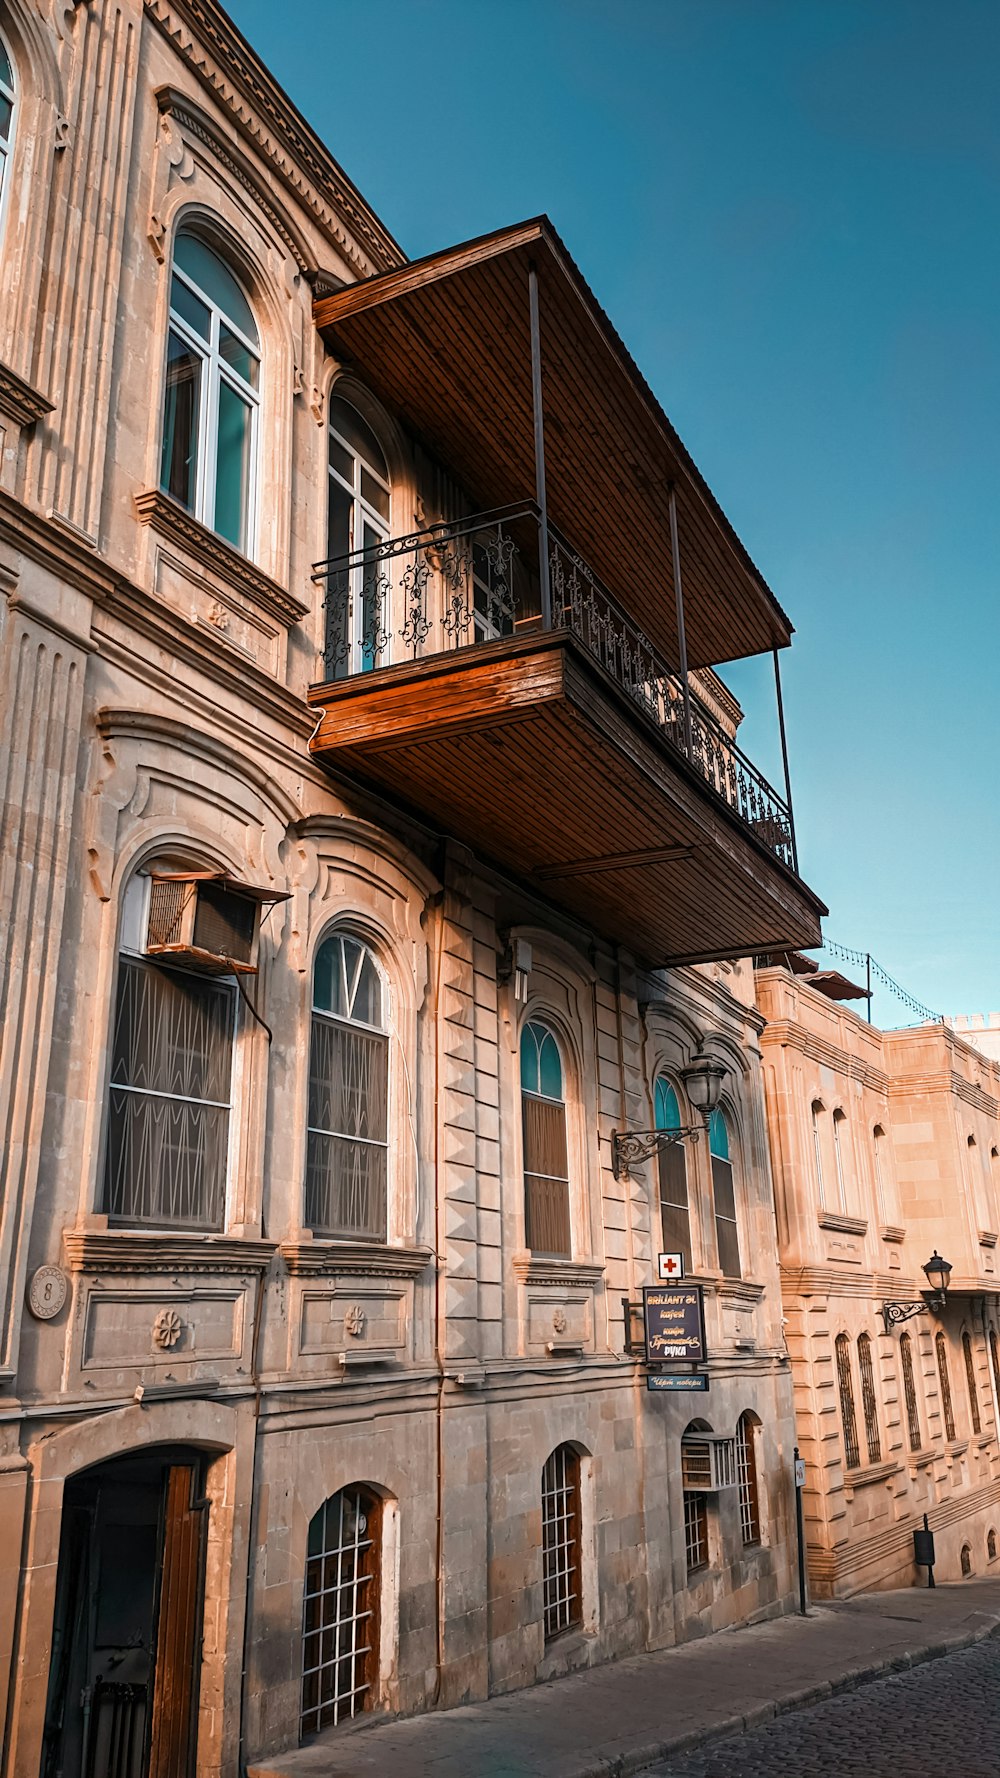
(615, 1719)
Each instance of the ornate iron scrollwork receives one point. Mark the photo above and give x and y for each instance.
(631, 1146)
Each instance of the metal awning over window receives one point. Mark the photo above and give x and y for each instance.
(445, 343)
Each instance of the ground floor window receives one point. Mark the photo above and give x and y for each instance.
(563, 1602)
(696, 1532)
(340, 1613)
(746, 1475)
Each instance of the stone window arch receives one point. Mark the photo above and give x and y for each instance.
(544, 1138)
(347, 1145)
(562, 1542)
(341, 1609)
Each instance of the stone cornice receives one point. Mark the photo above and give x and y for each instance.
(368, 1259)
(531, 1268)
(917, 1086)
(739, 1290)
(794, 1036)
(224, 62)
(19, 401)
(54, 547)
(142, 1250)
(845, 1225)
(169, 518)
(146, 725)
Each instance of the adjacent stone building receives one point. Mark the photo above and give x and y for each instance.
(885, 1150)
(320, 1007)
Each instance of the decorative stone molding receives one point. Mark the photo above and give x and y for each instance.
(844, 1225)
(987, 1238)
(739, 1290)
(367, 1259)
(169, 518)
(151, 726)
(139, 1250)
(867, 1478)
(19, 401)
(892, 1234)
(530, 1268)
(167, 1330)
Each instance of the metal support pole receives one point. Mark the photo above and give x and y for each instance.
(784, 757)
(868, 982)
(800, 1529)
(539, 420)
(682, 653)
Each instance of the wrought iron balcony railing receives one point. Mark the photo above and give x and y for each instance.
(476, 580)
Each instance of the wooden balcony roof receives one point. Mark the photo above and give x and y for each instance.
(445, 344)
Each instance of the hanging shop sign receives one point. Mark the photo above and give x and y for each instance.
(675, 1323)
(677, 1382)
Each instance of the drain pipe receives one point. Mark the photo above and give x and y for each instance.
(241, 1765)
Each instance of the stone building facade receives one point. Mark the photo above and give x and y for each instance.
(885, 1149)
(313, 1258)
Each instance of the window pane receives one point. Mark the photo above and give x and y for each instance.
(674, 1201)
(6, 72)
(546, 1187)
(6, 112)
(667, 1112)
(345, 1186)
(341, 460)
(179, 459)
(232, 471)
(725, 1194)
(233, 352)
(217, 282)
(191, 309)
(726, 1230)
(348, 1081)
(374, 493)
(718, 1136)
(356, 432)
(550, 1068)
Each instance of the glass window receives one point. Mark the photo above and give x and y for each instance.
(869, 1401)
(724, 1190)
(357, 596)
(543, 1120)
(970, 1378)
(340, 1636)
(910, 1391)
(348, 1137)
(672, 1164)
(815, 1112)
(746, 1472)
(947, 1410)
(695, 1532)
(839, 1120)
(211, 402)
(878, 1149)
(845, 1386)
(561, 1520)
(7, 109)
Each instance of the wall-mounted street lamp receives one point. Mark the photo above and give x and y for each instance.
(703, 1085)
(938, 1274)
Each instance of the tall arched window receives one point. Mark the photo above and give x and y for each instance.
(995, 1361)
(357, 608)
(675, 1217)
(561, 1550)
(878, 1152)
(947, 1411)
(839, 1135)
(909, 1391)
(724, 1192)
(746, 1474)
(348, 1141)
(543, 1122)
(869, 1401)
(845, 1386)
(340, 1619)
(816, 1112)
(210, 413)
(970, 1378)
(8, 101)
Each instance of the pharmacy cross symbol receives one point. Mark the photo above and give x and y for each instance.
(670, 1267)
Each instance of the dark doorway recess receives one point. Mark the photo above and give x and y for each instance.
(126, 1645)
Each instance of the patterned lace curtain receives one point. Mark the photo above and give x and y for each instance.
(346, 1164)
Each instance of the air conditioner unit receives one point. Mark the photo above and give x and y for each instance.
(205, 920)
(708, 1464)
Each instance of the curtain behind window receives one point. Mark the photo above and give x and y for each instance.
(346, 1162)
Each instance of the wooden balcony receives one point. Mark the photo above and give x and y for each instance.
(571, 758)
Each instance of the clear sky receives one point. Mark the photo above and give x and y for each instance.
(791, 211)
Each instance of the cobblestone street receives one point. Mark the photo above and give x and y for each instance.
(941, 1718)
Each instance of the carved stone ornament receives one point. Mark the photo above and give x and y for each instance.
(167, 1329)
(47, 1292)
(559, 1321)
(355, 1321)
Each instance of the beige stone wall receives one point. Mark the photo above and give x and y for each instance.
(853, 1240)
(153, 685)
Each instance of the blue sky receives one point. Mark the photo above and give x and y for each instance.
(791, 211)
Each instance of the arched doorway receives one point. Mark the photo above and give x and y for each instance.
(125, 1665)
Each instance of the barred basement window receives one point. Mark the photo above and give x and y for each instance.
(941, 1349)
(562, 1591)
(543, 1123)
(746, 1471)
(675, 1218)
(868, 1399)
(348, 1140)
(970, 1378)
(340, 1613)
(909, 1391)
(696, 1531)
(845, 1383)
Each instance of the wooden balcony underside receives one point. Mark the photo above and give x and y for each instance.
(530, 755)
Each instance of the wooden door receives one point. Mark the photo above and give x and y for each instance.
(178, 1631)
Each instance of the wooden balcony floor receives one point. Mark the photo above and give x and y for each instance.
(529, 754)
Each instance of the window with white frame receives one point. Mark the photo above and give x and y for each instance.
(340, 1619)
(561, 1550)
(543, 1125)
(211, 408)
(358, 588)
(8, 102)
(675, 1216)
(170, 1090)
(724, 1190)
(348, 1133)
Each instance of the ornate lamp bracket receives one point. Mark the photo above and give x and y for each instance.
(893, 1313)
(629, 1147)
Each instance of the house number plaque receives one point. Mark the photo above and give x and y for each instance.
(47, 1292)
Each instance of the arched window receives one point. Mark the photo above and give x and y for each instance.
(991, 1546)
(561, 1551)
(947, 1411)
(845, 1385)
(966, 1560)
(340, 1619)
(878, 1150)
(724, 1192)
(357, 614)
(746, 1473)
(839, 1121)
(170, 1088)
(868, 1399)
(348, 1141)
(543, 1122)
(8, 102)
(815, 1113)
(909, 1391)
(211, 407)
(970, 1378)
(995, 1361)
(675, 1217)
